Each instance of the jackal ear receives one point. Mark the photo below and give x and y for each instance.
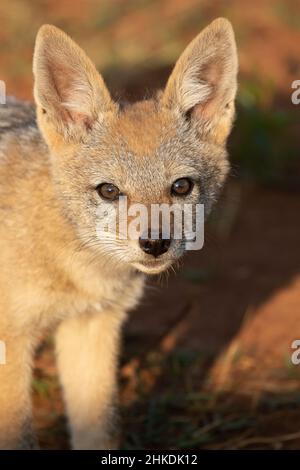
(203, 83)
(69, 92)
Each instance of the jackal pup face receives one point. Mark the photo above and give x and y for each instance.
(167, 150)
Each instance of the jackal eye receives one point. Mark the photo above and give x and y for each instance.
(182, 187)
(108, 191)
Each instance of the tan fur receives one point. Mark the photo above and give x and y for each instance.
(55, 272)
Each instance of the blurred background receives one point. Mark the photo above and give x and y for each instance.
(206, 358)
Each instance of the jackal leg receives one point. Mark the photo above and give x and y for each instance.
(87, 353)
(15, 400)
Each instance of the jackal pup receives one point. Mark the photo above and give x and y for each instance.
(79, 152)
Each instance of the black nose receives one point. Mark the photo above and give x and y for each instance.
(154, 247)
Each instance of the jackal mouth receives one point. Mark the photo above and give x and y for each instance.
(154, 266)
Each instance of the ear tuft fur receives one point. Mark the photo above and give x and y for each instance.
(203, 83)
(69, 92)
